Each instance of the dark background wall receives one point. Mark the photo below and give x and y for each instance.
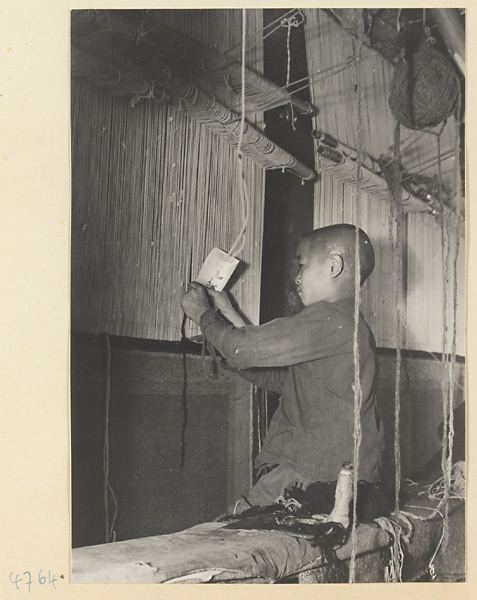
(154, 493)
(421, 412)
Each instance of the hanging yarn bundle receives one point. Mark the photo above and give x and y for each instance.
(424, 89)
(388, 32)
(351, 19)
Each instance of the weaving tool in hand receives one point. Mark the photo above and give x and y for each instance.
(217, 269)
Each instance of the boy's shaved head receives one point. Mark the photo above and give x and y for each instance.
(341, 239)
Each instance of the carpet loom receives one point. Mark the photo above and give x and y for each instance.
(145, 213)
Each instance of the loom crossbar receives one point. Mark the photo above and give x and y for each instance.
(195, 103)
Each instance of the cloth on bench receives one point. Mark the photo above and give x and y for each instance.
(210, 553)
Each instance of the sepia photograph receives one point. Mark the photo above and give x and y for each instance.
(268, 295)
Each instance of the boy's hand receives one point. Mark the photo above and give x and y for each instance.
(220, 300)
(195, 301)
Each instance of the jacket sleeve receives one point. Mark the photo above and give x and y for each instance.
(309, 335)
(271, 378)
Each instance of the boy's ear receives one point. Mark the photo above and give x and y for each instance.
(337, 265)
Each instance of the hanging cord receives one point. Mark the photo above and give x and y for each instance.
(445, 383)
(324, 74)
(185, 414)
(415, 136)
(358, 394)
(109, 529)
(398, 20)
(427, 29)
(184, 391)
(292, 11)
(430, 162)
(239, 241)
(392, 173)
(457, 187)
(448, 364)
(260, 40)
(399, 318)
(289, 23)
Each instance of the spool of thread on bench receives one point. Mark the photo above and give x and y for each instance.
(343, 496)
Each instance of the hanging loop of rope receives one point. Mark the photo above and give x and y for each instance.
(290, 22)
(295, 20)
(430, 39)
(271, 27)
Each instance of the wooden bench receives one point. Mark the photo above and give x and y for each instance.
(209, 553)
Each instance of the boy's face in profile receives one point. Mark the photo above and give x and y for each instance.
(313, 279)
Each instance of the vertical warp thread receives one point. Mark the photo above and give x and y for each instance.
(289, 26)
(358, 395)
(109, 529)
(240, 172)
(398, 325)
(393, 176)
(185, 414)
(450, 440)
(448, 363)
(165, 156)
(184, 392)
(458, 184)
(107, 397)
(263, 35)
(445, 358)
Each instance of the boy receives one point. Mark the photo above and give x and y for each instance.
(309, 359)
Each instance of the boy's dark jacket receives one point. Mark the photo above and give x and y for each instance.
(309, 359)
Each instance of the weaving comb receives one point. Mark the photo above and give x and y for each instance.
(217, 269)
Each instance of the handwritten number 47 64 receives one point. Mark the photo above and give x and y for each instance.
(28, 580)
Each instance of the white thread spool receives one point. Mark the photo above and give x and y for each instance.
(343, 496)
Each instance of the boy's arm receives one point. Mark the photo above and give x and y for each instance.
(278, 343)
(316, 332)
(272, 378)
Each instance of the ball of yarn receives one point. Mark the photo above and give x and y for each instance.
(424, 89)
